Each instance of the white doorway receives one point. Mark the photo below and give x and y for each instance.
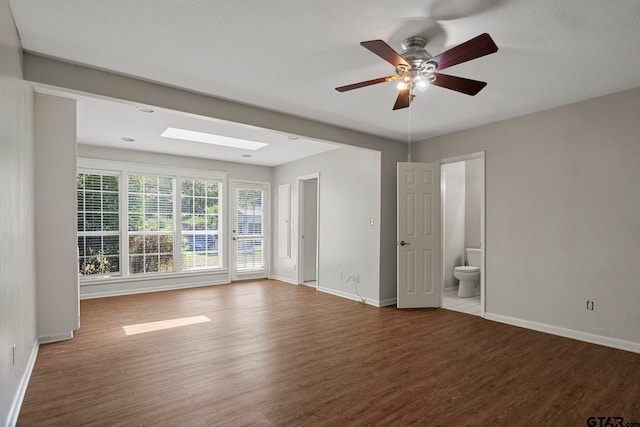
(463, 233)
(249, 230)
(308, 229)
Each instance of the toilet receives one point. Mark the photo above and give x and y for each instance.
(469, 275)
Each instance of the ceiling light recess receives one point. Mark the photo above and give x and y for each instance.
(127, 139)
(208, 138)
(147, 110)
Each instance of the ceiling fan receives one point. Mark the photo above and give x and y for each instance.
(416, 69)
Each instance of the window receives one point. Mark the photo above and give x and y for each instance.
(98, 224)
(200, 224)
(138, 220)
(150, 218)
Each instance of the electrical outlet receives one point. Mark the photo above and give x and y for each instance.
(13, 354)
(590, 305)
(371, 222)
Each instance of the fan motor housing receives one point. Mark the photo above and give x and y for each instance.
(415, 53)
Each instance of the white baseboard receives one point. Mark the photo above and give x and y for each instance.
(14, 410)
(347, 295)
(120, 292)
(340, 293)
(567, 333)
(387, 302)
(47, 339)
(283, 279)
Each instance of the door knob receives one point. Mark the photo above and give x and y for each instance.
(233, 238)
(402, 243)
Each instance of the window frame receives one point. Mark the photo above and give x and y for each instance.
(234, 184)
(124, 170)
(117, 174)
(145, 233)
(222, 245)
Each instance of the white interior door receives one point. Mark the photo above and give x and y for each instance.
(418, 235)
(249, 228)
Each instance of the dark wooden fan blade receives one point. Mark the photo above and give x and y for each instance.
(384, 51)
(459, 84)
(471, 49)
(363, 84)
(403, 100)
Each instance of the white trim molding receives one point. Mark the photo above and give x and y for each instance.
(14, 409)
(565, 332)
(342, 294)
(387, 302)
(48, 339)
(283, 279)
(159, 288)
(353, 297)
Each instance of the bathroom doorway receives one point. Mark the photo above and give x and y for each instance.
(463, 205)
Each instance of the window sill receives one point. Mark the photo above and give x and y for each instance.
(155, 276)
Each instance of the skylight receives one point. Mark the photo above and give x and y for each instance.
(207, 138)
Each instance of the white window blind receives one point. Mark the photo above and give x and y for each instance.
(250, 229)
(136, 220)
(150, 217)
(98, 224)
(200, 221)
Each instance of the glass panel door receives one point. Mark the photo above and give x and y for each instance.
(248, 233)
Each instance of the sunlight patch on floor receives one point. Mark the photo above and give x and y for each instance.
(141, 328)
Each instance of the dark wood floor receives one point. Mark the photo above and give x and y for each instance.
(278, 354)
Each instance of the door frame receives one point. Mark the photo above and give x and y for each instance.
(464, 157)
(300, 261)
(231, 214)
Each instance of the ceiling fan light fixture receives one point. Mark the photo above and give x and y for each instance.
(418, 69)
(401, 69)
(421, 83)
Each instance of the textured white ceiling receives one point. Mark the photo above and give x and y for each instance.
(105, 123)
(289, 55)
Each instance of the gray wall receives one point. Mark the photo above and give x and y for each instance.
(233, 170)
(17, 249)
(78, 78)
(55, 219)
(453, 220)
(472, 202)
(349, 188)
(562, 213)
